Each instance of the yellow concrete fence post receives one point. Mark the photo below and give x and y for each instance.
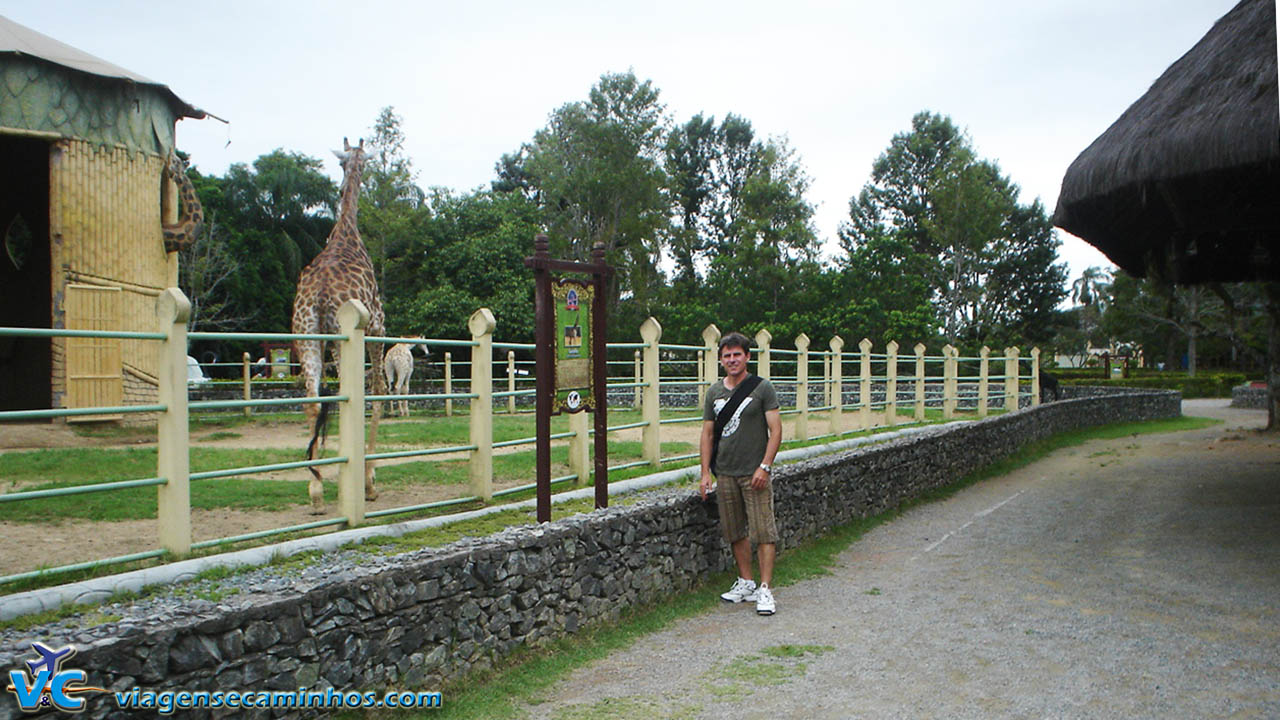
(701, 366)
(248, 393)
(448, 383)
(891, 384)
(353, 318)
(173, 461)
(864, 383)
(481, 324)
(579, 448)
(763, 359)
(837, 390)
(650, 404)
(639, 374)
(948, 382)
(1035, 376)
(710, 360)
(511, 381)
(802, 387)
(919, 348)
(826, 379)
(1010, 379)
(984, 378)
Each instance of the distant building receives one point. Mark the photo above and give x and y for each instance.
(82, 186)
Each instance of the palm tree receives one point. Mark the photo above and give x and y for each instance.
(1092, 291)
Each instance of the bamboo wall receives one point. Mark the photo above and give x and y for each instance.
(104, 213)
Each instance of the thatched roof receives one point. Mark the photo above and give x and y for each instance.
(21, 40)
(1186, 183)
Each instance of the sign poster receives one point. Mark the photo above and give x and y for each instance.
(574, 389)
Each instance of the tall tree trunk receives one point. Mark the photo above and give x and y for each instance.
(1171, 361)
(1273, 358)
(1191, 352)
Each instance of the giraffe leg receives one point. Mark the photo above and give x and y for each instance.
(310, 353)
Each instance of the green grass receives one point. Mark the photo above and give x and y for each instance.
(80, 466)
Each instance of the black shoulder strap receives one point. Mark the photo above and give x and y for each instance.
(740, 393)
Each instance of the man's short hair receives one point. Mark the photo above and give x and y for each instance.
(734, 339)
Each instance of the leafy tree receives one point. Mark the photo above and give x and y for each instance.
(691, 152)
(274, 217)
(206, 268)
(467, 253)
(767, 243)
(1091, 292)
(743, 243)
(596, 172)
(1230, 319)
(390, 198)
(942, 213)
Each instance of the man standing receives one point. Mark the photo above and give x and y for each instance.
(741, 433)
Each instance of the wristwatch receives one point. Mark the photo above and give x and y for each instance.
(766, 467)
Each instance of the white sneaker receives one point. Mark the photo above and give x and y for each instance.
(764, 601)
(742, 590)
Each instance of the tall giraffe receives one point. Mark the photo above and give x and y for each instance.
(340, 272)
(182, 233)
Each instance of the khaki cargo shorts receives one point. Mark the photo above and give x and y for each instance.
(745, 511)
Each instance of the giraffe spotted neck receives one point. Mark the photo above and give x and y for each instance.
(352, 160)
(182, 233)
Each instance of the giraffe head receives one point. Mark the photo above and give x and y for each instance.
(352, 160)
(419, 347)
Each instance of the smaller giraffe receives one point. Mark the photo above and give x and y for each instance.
(398, 365)
(184, 232)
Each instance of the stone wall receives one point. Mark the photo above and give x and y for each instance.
(421, 619)
(1248, 396)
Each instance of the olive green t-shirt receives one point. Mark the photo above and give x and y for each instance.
(746, 435)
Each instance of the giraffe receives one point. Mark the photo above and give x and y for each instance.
(181, 234)
(340, 272)
(398, 367)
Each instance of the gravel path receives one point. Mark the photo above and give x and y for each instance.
(1134, 578)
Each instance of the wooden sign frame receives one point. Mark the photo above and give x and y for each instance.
(546, 344)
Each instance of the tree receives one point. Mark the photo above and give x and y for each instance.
(467, 253)
(942, 213)
(391, 202)
(596, 172)
(1170, 318)
(766, 243)
(1091, 293)
(743, 242)
(274, 217)
(206, 267)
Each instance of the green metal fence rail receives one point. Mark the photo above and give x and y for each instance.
(810, 370)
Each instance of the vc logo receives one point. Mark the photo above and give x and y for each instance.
(45, 684)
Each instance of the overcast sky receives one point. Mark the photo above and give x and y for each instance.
(1033, 82)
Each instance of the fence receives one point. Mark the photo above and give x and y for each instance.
(885, 385)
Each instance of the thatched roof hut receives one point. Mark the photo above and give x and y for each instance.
(1185, 185)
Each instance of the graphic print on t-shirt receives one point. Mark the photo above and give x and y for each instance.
(732, 426)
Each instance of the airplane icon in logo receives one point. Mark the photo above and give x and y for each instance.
(49, 658)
